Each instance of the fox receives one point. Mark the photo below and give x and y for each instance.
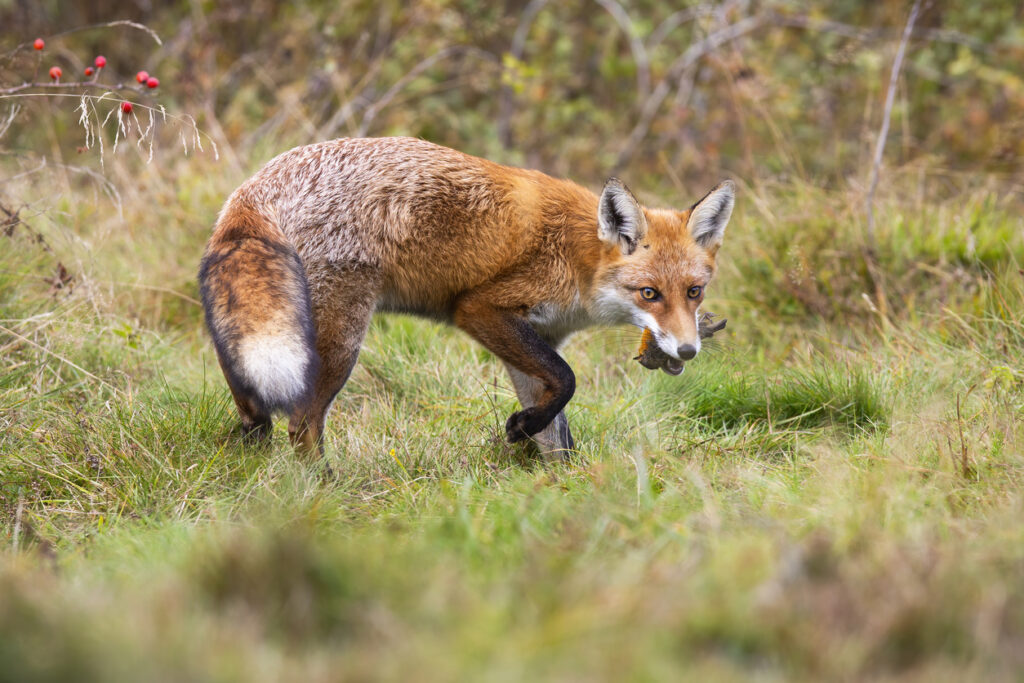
(306, 250)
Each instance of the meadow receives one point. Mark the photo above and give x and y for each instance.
(831, 491)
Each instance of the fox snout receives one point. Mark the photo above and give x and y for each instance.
(676, 354)
(677, 335)
(686, 351)
(672, 348)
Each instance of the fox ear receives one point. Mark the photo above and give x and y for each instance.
(620, 220)
(709, 216)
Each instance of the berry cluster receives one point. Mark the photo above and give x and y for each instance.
(142, 77)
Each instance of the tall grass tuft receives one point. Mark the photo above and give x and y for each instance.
(848, 398)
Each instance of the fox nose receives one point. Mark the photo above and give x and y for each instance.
(686, 351)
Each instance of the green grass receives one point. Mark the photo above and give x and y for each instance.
(799, 399)
(817, 497)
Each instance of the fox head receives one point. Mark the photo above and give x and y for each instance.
(656, 263)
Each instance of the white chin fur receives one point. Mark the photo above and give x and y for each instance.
(667, 343)
(276, 366)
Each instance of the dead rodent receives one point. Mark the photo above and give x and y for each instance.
(652, 357)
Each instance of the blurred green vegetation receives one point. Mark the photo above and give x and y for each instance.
(799, 94)
(830, 491)
(790, 107)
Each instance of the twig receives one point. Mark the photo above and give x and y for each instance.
(516, 53)
(871, 254)
(636, 46)
(385, 99)
(14, 220)
(111, 24)
(11, 115)
(71, 85)
(866, 34)
(692, 55)
(674, 21)
(78, 29)
(17, 523)
(966, 471)
(887, 114)
(10, 179)
(714, 41)
(346, 112)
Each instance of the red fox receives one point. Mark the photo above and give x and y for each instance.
(309, 247)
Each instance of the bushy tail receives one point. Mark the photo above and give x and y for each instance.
(256, 299)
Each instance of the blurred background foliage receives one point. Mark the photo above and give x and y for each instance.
(785, 97)
(832, 492)
(561, 85)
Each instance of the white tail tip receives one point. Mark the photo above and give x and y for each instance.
(276, 366)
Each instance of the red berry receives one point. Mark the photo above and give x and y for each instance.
(55, 73)
(100, 62)
(89, 71)
(39, 44)
(142, 77)
(126, 107)
(152, 82)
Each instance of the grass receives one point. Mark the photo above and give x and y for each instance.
(826, 494)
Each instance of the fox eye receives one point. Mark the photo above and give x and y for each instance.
(694, 292)
(649, 294)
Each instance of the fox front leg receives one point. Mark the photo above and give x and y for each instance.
(514, 341)
(555, 441)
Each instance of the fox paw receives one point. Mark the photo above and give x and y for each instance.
(555, 441)
(524, 424)
(256, 431)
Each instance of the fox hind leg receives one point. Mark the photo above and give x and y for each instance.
(256, 422)
(343, 303)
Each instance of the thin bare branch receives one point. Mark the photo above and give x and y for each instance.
(383, 43)
(10, 179)
(883, 134)
(78, 29)
(347, 111)
(516, 53)
(636, 46)
(401, 83)
(70, 85)
(11, 115)
(110, 24)
(692, 55)
(639, 50)
(871, 34)
(871, 253)
(674, 21)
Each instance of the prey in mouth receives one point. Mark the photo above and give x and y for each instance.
(652, 357)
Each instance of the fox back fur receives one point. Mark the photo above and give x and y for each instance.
(310, 246)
